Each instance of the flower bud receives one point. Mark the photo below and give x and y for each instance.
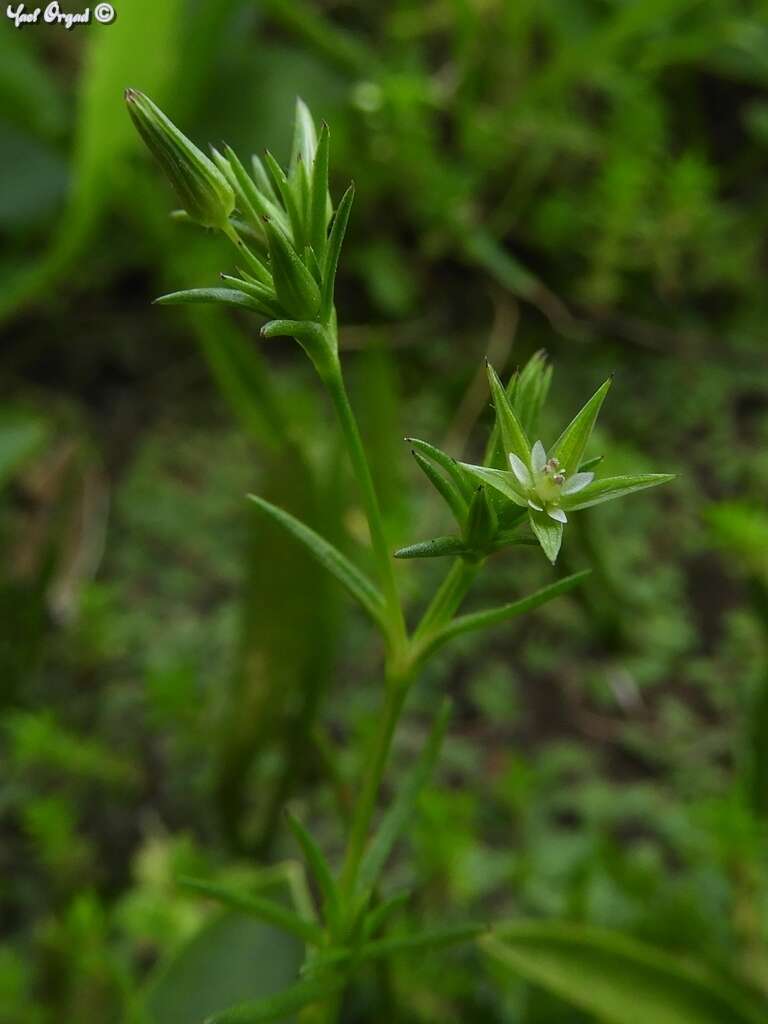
(204, 192)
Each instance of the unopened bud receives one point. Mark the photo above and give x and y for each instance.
(204, 192)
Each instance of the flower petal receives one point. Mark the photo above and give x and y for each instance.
(520, 470)
(557, 514)
(577, 482)
(538, 457)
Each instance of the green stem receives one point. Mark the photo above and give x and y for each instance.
(397, 690)
(335, 383)
(448, 598)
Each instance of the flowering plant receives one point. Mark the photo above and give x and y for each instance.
(288, 237)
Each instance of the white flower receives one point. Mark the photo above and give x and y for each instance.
(545, 482)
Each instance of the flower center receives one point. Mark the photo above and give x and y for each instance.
(548, 481)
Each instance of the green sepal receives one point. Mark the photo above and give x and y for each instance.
(548, 531)
(208, 296)
(332, 253)
(259, 206)
(351, 578)
(585, 467)
(438, 547)
(569, 447)
(256, 906)
(295, 287)
(513, 437)
(611, 487)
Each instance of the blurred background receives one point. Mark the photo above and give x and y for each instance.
(583, 176)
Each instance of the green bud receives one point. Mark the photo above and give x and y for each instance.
(297, 291)
(204, 192)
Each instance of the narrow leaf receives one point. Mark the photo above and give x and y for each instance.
(512, 434)
(356, 583)
(304, 136)
(495, 616)
(318, 866)
(381, 913)
(444, 486)
(611, 487)
(438, 547)
(446, 462)
(549, 533)
(618, 980)
(207, 296)
(400, 812)
(313, 990)
(332, 253)
(319, 198)
(257, 906)
(500, 479)
(569, 447)
(437, 938)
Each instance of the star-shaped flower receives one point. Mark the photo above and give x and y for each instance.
(550, 484)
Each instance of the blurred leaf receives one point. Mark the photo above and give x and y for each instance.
(616, 979)
(21, 436)
(233, 959)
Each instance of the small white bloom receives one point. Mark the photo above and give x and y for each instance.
(521, 471)
(577, 482)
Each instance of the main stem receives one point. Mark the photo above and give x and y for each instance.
(335, 383)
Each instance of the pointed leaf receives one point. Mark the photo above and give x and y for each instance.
(438, 547)
(304, 993)
(444, 487)
(611, 487)
(528, 391)
(618, 980)
(446, 462)
(304, 135)
(549, 533)
(494, 616)
(296, 289)
(513, 436)
(206, 296)
(435, 938)
(318, 866)
(332, 253)
(569, 447)
(591, 463)
(377, 918)
(257, 906)
(400, 812)
(318, 232)
(500, 479)
(356, 583)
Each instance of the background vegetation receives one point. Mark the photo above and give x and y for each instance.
(585, 176)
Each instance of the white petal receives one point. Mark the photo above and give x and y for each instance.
(538, 457)
(577, 482)
(539, 508)
(557, 514)
(520, 470)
